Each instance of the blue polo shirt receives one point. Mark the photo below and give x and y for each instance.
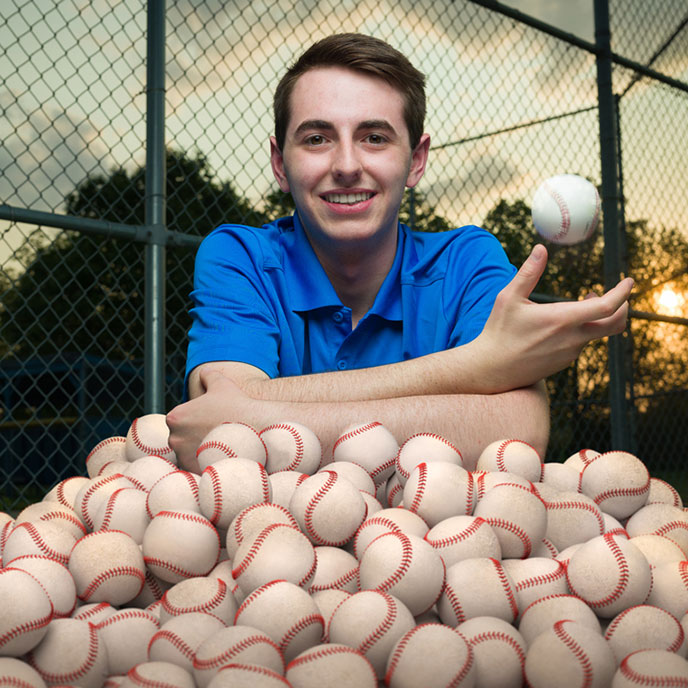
(261, 297)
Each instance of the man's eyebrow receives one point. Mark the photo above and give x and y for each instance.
(323, 125)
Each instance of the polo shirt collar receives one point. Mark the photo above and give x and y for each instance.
(311, 288)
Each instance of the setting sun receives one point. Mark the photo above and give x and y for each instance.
(670, 302)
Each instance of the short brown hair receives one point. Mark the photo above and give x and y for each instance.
(363, 54)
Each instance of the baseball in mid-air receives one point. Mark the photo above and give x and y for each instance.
(566, 209)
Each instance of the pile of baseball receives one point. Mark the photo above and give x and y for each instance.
(382, 564)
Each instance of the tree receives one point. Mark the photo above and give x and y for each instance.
(84, 294)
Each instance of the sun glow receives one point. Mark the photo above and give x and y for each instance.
(670, 302)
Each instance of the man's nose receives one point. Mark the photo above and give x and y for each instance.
(346, 163)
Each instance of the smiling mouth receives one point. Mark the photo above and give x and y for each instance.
(347, 199)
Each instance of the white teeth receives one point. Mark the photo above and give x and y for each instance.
(348, 198)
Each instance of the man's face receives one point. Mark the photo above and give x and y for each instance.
(347, 159)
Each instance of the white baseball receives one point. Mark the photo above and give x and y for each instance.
(661, 491)
(180, 544)
(283, 484)
(621, 579)
(147, 470)
(126, 634)
(331, 665)
(433, 656)
(651, 668)
(328, 508)
(151, 593)
(159, 674)
(660, 519)
(66, 490)
(568, 654)
(278, 552)
(94, 612)
(107, 566)
(424, 447)
(511, 456)
(55, 578)
(405, 566)
(15, 672)
(477, 587)
(658, 549)
(327, 601)
(644, 627)
(72, 652)
(149, 435)
(438, 490)
(286, 613)
(393, 519)
(178, 638)
(26, 612)
(670, 588)
(536, 577)
(371, 621)
(499, 651)
(238, 675)
(229, 440)
(233, 644)
(355, 473)
(42, 537)
(251, 520)
(562, 477)
(92, 494)
(518, 516)
(335, 569)
(542, 614)
(176, 490)
(580, 459)
(105, 452)
(199, 594)
(229, 486)
(370, 445)
(125, 510)
(54, 512)
(464, 537)
(565, 209)
(572, 517)
(291, 446)
(618, 481)
(484, 481)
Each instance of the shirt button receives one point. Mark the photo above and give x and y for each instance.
(341, 364)
(337, 316)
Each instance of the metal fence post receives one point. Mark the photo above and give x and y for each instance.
(613, 262)
(154, 333)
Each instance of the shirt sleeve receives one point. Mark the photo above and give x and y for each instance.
(233, 318)
(480, 269)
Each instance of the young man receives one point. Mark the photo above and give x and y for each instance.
(340, 315)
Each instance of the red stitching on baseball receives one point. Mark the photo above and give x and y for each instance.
(256, 669)
(221, 659)
(219, 596)
(543, 578)
(565, 224)
(27, 626)
(404, 563)
(452, 598)
(215, 444)
(302, 624)
(327, 651)
(486, 636)
(71, 676)
(113, 572)
(586, 506)
(40, 543)
(402, 471)
(504, 580)
(337, 583)
(512, 528)
(313, 503)
(355, 433)
(464, 534)
(60, 516)
(140, 444)
(174, 640)
(420, 490)
(383, 627)
(576, 649)
(298, 443)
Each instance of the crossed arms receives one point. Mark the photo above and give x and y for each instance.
(488, 389)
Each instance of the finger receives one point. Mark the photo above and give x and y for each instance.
(614, 324)
(529, 275)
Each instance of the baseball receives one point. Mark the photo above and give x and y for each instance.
(291, 447)
(511, 456)
(229, 440)
(565, 209)
(464, 537)
(331, 666)
(148, 435)
(651, 668)
(199, 594)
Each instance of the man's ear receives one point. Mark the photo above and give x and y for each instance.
(277, 164)
(419, 158)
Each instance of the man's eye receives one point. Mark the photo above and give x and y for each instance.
(315, 140)
(375, 139)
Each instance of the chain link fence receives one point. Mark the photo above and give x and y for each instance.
(511, 101)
